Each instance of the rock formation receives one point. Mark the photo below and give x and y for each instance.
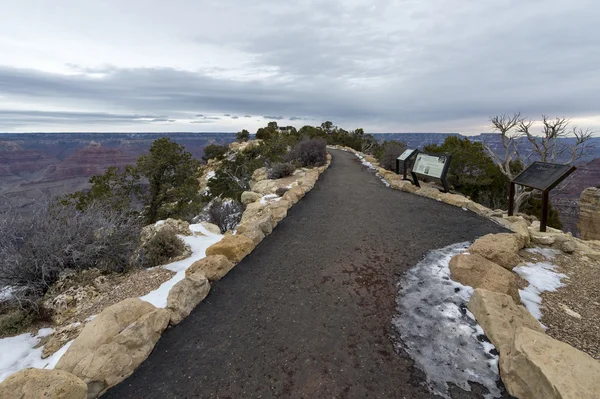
(589, 214)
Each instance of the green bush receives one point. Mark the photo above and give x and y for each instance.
(214, 151)
(162, 248)
(279, 170)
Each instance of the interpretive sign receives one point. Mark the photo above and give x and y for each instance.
(435, 166)
(541, 176)
(405, 159)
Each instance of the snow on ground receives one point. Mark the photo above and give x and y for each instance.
(19, 353)
(370, 166)
(548, 253)
(270, 198)
(6, 293)
(210, 175)
(542, 276)
(198, 245)
(439, 332)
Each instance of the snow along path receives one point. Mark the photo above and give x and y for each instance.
(198, 244)
(19, 352)
(439, 332)
(309, 312)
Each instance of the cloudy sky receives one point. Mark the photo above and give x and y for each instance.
(224, 65)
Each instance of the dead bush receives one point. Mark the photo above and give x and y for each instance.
(280, 169)
(224, 213)
(36, 247)
(309, 152)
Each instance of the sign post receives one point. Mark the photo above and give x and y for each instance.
(405, 158)
(431, 165)
(540, 176)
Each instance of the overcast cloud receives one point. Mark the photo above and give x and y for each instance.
(384, 65)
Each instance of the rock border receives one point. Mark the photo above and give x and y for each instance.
(122, 336)
(532, 364)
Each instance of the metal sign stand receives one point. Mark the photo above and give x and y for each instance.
(540, 176)
(442, 178)
(405, 163)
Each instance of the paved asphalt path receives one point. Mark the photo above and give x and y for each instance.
(308, 313)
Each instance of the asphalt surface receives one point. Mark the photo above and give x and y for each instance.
(308, 313)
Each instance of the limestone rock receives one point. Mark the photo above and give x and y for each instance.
(294, 194)
(265, 187)
(478, 208)
(234, 247)
(260, 174)
(429, 192)
(370, 159)
(565, 243)
(213, 228)
(256, 235)
(500, 248)
(46, 384)
(537, 366)
(186, 295)
(589, 214)
(518, 225)
(177, 226)
(214, 267)
(455, 199)
(478, 272)
(262, 223)
(112, 345)
(500, 316)
(253, 211)
(62, 306)
(250, 196)
(403, 185)
(278, 211)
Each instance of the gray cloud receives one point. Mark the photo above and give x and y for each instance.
(382, 64)
(274, 118)
(235, 117)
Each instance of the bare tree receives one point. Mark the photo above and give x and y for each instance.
(551, 145)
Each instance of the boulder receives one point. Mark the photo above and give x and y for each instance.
(429, 192)
(518, 225)
(500, 316)
(370, 159)
(260, 174)
(233, 247)
(478, 208)
(213, 228)
(46, 384)
(455, 200)
(186, 295)
(500, 248)
(214, 267)
(537, 366)
(249, 197)
(111, 346)
(589, 214)
(478, 272)
(256, 235)
(265, 187)
(294, 194)
(262, 223)
(565, 243)
(253, 211)
(403, 185)
(278, 211)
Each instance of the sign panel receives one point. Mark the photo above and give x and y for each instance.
(543, 176)
(430, 165)
(406, 154)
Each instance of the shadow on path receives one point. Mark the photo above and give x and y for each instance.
(308, 313)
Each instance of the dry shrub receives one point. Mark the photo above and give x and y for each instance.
(309, 152)
(162, 248)
(225, 214)
(280, 169)
(36, 247)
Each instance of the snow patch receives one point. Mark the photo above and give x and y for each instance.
(437, 329)
(198, 245)
(19, 353)
(6, 293)
(210, 175)
(542, 277)
(370, 166)
(270, 198)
